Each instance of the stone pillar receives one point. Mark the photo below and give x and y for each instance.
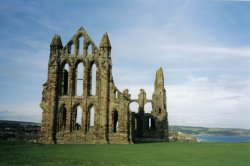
(159, 105)
(51, 91)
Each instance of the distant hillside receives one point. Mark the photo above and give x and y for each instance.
(7, 126)
(19, 131)
(210, 131)
(10, 123)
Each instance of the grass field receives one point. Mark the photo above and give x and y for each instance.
(168, 154)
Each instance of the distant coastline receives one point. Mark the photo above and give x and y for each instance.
(205, 138)
(204, 131)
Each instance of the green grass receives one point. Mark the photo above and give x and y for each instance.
(167, 154)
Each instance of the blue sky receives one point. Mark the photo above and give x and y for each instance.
(203, 47)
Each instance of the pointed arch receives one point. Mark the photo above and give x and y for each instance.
(134, 122)
(81, 46)
(65, 79)
(149, 123)
(76, 47)
(115, 121)
(93, 79)
(71, 47)
(134, 107)
(152, 124)
(62, 119)
(89, 49)
(79, 79)
(91, 118)
(148, 107)
(116, 94)
(76, 118)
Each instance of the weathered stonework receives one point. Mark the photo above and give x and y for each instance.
(103, 110)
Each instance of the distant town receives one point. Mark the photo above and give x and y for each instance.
(19, 131)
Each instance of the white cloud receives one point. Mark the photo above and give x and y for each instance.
(48, 25)
(202, 102)
(151, 44)
(27, 111)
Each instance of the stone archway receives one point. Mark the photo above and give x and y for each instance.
(115, 121)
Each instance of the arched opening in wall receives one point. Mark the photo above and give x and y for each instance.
(78, 117)
(64, 116)
(93, 80)
(72, 49)
(91, 118)
(65, 80)
(116, 94)
(89, 49)
(115, 121)
(79, 80)
(149, 123)
(76, 121)
(152, 124)
(136, 123)
(148, 107)
(61, 119)
(134, 107)
(81, 46)
(159, 110)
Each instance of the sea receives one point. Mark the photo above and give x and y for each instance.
(206, 138)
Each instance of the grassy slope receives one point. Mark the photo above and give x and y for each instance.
(171, 154)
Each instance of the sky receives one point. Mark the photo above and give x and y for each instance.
(202, 46)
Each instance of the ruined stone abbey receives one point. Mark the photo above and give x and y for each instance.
(81, 103)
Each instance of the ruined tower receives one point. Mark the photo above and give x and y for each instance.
(81, 103)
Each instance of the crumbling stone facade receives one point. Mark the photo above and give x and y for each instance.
(100, 113)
